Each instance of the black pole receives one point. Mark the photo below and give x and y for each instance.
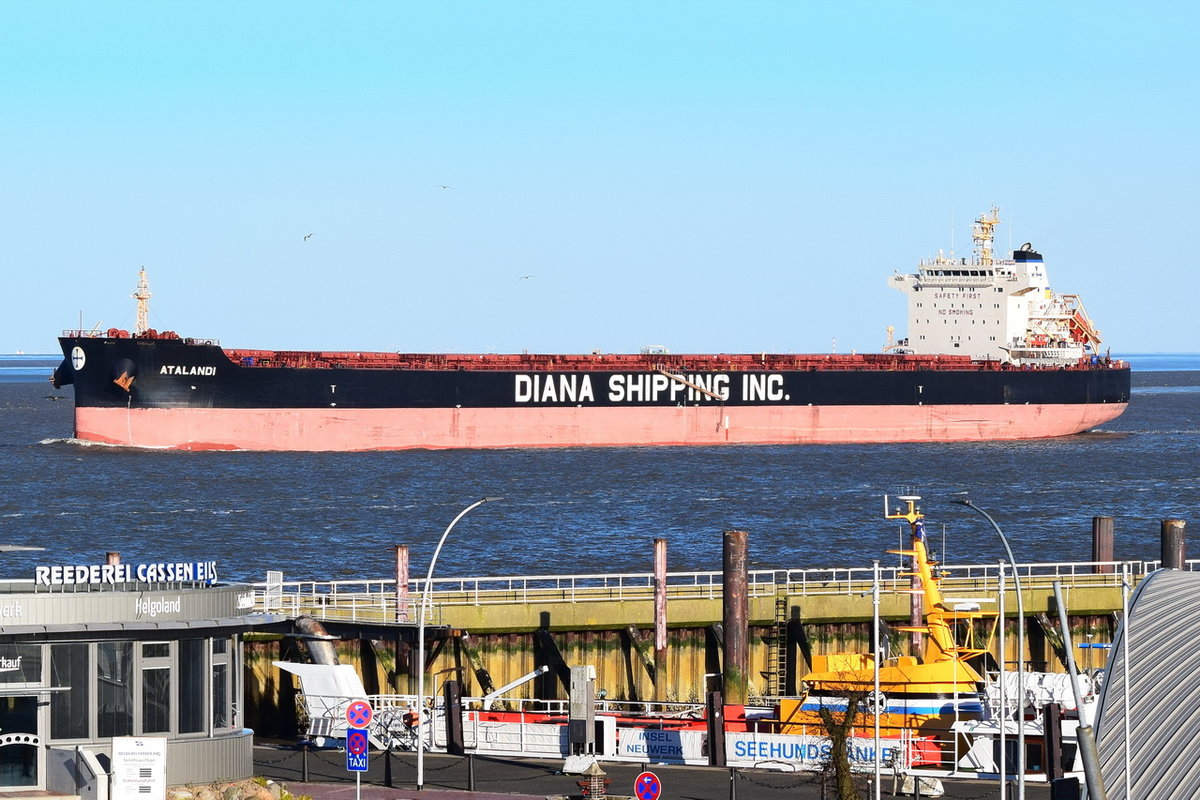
(733, 783)
(470, 772)
(304, 762)
(387, 766)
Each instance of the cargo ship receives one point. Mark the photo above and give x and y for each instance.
(992, 353)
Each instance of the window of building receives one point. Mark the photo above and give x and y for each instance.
(220, 696)
(222, 710)
(192, 664)
(20, 663)
(69, 711)
(156, 687)
(114, 688)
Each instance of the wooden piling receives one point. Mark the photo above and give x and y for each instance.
(1102, 543)
(403, 608)
(1174, 546)
(735, 612)
(660, 620)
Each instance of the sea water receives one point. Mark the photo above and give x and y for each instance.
(323, 516)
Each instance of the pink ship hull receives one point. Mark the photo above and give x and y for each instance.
(400, 429)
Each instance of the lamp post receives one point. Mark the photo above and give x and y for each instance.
(966, 501)
(421, 642)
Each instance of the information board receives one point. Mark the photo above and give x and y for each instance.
(139, 768)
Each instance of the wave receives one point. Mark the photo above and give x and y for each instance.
(111, 445)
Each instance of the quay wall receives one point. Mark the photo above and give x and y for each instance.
(491, 644)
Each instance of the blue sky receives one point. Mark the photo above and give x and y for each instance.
(708, 176)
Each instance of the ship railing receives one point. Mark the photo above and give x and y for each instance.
(378, 600)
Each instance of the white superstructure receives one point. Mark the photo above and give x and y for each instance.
(988, 308)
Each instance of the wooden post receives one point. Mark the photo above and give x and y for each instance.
(403, 607)
(735, 613)
(1174, 546)
(1102, 543)
(660, 620)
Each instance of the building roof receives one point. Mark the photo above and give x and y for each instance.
(1150, 704)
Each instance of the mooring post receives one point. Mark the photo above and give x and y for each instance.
(1174, 546)
(1102, 544)
(714, 707)
(402, 601)
(735, 612)
(660, 620)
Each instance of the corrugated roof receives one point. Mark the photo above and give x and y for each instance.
(1160, 641)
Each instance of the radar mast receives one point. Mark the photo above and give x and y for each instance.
(983, 231)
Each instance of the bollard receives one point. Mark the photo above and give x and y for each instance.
(1174, 547)
(304, 762)
(1102, 543)
(470, 772)
(595, 782)
(387, 766)
(733, 783)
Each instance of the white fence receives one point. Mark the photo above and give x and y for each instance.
(367, 600)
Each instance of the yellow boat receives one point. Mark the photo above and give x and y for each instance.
(919, 699)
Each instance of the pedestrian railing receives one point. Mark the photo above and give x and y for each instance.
(379, 600)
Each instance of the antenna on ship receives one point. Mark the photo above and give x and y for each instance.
(142, 295)
(983, 231)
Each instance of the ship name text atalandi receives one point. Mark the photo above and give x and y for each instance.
(176, 369)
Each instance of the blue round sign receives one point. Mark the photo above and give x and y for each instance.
(647, 786)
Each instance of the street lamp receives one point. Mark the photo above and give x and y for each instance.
(966, 501)
(421, 642)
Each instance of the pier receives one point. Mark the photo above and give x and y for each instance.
(488, 632)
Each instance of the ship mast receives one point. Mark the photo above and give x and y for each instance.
(983, 231)
(142, 295)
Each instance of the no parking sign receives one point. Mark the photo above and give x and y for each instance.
(647, 786)
(359, 714)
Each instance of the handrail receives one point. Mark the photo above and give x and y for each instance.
(368, 599)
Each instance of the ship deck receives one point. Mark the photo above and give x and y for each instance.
(617, 362)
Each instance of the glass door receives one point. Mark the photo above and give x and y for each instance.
(19, 742)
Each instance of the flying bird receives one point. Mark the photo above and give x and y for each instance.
(527, 277)
(309, 236)
(444, 186)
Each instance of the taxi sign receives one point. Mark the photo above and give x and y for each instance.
(357, 750)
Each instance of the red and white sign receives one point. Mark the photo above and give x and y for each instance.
(647, 786)
(359, 714)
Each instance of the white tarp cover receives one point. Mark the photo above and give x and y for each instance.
(327, 690)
